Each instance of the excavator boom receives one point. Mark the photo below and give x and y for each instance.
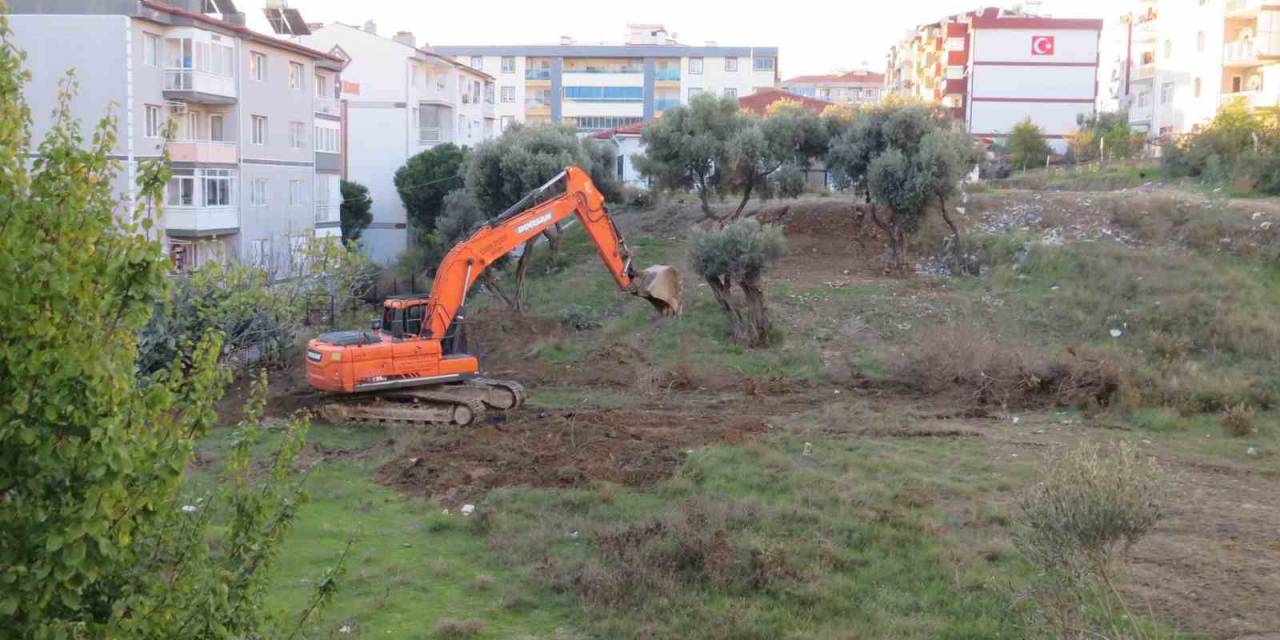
(412, 367)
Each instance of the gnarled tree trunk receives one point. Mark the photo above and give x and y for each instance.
(757, 314)
(957, 251)
(522, 268)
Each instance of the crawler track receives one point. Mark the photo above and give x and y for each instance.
(462, 404)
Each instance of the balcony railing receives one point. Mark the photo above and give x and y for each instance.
(191, 81)
(1243, 7)
(667, 74)
(537, 74)
(201, 219)
(430, 135)
(326, 212)
(1144, 72)
(327, 105)
(666, 103)
(188, 150)
(604, 70)
(1259, 99)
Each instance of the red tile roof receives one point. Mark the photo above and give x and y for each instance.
(759, 102)
(633, 129)
(852, 76)
(244, 31)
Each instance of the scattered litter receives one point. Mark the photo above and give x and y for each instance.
(1145, 441)
(837, 392)
(573, 535)
(1252, 451)
(1016, 419)
(1256, 215)
(346, 628)
(188, 508)
(467, 509)
(1116, 333)
(445, 512)
(808, 448)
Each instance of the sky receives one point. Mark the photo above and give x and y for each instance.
(821, 37)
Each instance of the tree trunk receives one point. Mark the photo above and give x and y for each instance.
(757, 315)
(553, 235)
(491, 285)
(957, 251)
(522, 268)
(722, 289)
(704, 195)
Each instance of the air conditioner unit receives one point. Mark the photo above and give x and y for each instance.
(176, 107)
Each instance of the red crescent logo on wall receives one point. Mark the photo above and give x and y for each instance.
(1041, 45)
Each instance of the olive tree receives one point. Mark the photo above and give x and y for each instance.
(96, 537)
(907, 158)
(688, 147)
(740, 252)
(1027, 145)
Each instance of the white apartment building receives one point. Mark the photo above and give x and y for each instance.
(400, 100)
(851, 87)
(597, 87)
(1179, 61)
(254, 157)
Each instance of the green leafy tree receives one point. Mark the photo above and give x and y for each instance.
(908, 158)
(688, 147)
(1027, 145)
(96, 538)
(500, 172)
(424, 180)
(739, 253)
(356, 211)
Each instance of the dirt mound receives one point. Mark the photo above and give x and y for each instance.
(562, 449)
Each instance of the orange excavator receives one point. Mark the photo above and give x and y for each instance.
(413, 368)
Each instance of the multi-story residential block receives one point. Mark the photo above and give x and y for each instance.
(256, 131)
(596, 87)
(993, 68)
(400, 100)
(853, 87)
(1179, 61)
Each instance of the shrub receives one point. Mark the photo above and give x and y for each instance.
(458, 629)
(1238, 420)
(1027, 145)
(355, 212)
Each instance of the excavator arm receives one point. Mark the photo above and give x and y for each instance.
(468, 259)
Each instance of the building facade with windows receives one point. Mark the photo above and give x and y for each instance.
(400, 100)
(244, 109)
(853, 87)
(597, 87)
(993, 68)
(1179, 61)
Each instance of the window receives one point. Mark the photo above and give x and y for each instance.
(295, 75)
(477, 62)
(258, 192)
(602, 123)
(1196, 87)
(694, 91)
(1166, 93)
(260, 252)
(328, 140)
(762, 64)
(150, 49)
(258, 132)
(1143, 99)
(508, 64)
(322, 86)
(297, 193)
(216, 128)
(604, 94)
(462, 123)
(730, 64)
(297, 135)
(1168, 49)
(621, 166)
(730, 92)
(155, 121)
(258, 66)
(217, 187)
(505, 122)
(695, 65)
(182, 189)
(508, 94)
(1200, 42)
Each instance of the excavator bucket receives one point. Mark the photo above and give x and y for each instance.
(660, 285)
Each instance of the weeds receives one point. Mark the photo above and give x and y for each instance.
(458, 629)
(1094, 504)
(1238, 420)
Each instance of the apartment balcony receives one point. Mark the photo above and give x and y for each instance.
(327, 105)
(1254, 99)
(663, 104)
(1245, 8)
(327, 213)
(1144, 72)
(537, 74)
(667, 75)
(1248, 53)
(190, 221)
(189, 85)
(203, 151)
(432, 135)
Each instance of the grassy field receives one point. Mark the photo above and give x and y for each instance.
(882, 498)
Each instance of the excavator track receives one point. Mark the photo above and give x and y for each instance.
(460, 404)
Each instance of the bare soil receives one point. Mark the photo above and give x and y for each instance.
(560, 449)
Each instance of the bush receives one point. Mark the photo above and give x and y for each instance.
(1095, 502)
(789, 181)
(355, 212)
(1027, 145)
(1238, 421)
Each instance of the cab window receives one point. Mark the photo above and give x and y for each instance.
(393, 321)
(413, 320)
